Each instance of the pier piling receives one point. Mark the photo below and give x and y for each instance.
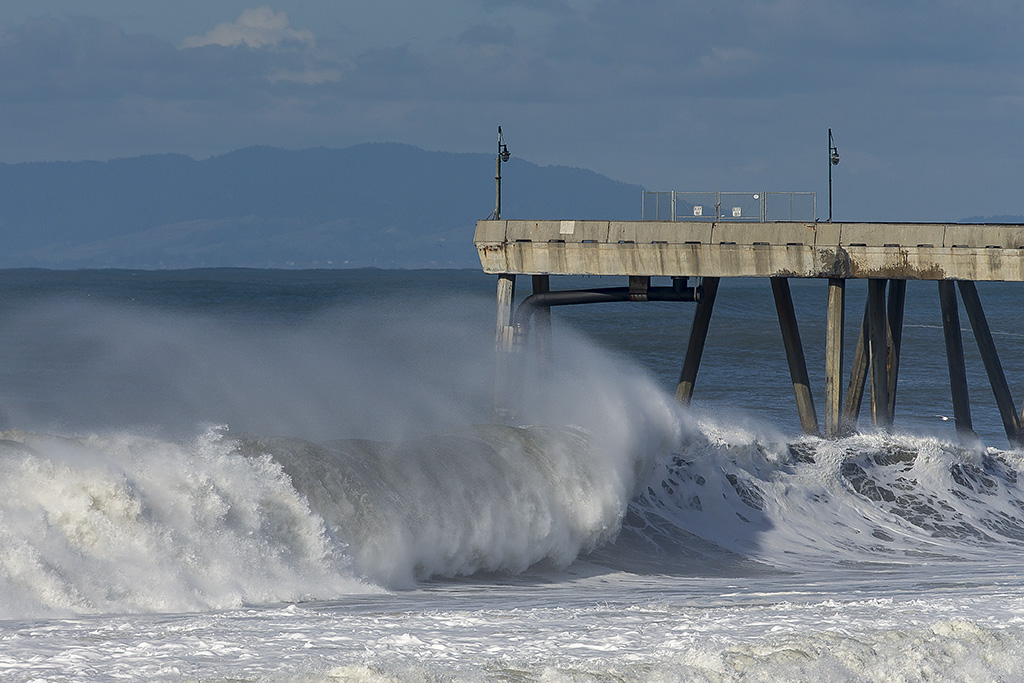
(955, 358)
(835, 317)
(542, 325)
(987, 348)
(504, 343)
(887, 255)
(894, 338)
(878, 354)
(698, 336)
(858, 379)
(795, 355)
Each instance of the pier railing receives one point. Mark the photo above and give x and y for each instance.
(750, 207)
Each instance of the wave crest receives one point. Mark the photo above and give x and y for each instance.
(125, 523)
(864, 499)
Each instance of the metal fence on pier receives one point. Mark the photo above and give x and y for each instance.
(752, 207)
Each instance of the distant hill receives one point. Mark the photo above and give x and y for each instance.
(379, 204)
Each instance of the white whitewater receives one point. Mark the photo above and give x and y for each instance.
(741, 557)
(125, 523)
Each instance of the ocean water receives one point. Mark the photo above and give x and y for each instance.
(246, 475)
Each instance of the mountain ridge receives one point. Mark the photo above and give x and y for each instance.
(379, 204)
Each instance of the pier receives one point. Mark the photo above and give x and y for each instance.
(696, 255)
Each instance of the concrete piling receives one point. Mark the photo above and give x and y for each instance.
(858, 378)
(987, 348)
(835, 316)
(504, 342)
(698, 336)
(894, 337)
(542, 326)
(795, 355)
(878, 354)
(884, 254)
(955, 358)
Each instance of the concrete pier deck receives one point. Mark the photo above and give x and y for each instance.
(904, 251)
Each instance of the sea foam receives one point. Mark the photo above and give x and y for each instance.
(126, 523)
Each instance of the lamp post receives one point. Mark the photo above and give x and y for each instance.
(503, 155)
(833, 160)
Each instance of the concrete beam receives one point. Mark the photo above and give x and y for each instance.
(915, 251)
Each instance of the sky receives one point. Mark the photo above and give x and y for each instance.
(925, 99)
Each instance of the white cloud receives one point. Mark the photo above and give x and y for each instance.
(255, 28)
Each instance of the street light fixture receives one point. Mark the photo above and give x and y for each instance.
(503, 155)
(833, 160)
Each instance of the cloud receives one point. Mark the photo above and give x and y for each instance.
(309, 75)
(683, 93)
(263, 29)
(49, 60)
(255, 28)
(81, 58)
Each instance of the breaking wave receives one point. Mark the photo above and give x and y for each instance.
(129, 523)
(864, 500)
(604, 469)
